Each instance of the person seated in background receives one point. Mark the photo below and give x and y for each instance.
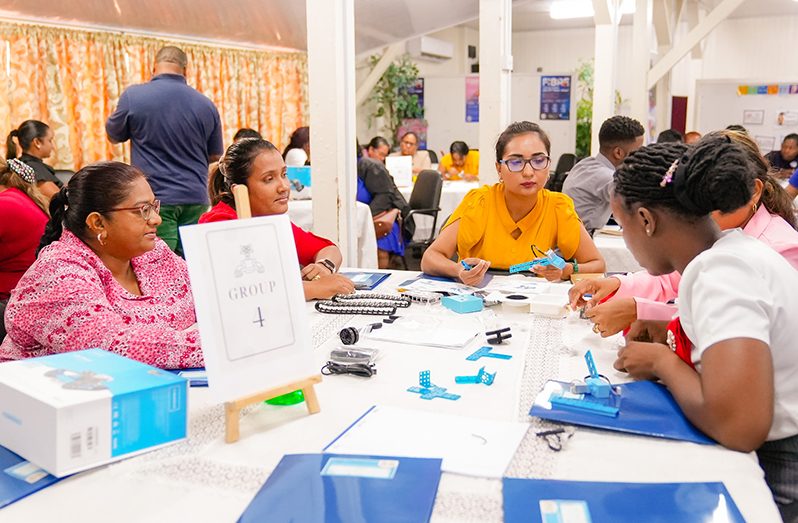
(692, 137)
(246, 132)
(768, 217)
(729, 359)
(669, 136)
(260, 166)
(378, 148)
(376, 188)
(23, 215)
(588, 183)
(36, 140)
(297, 152)
(514, 220)
(408, 146)
(785, 161)
(460, 164)
(103, 279)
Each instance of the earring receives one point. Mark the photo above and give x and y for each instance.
(100, 238)
(755, 207)
(648, 232)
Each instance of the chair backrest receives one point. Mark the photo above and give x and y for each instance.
(64, 175)
(565, 163)
(433, 157)
(556, 181)
(427, 190)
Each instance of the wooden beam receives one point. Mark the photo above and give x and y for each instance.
(693, 38)
(365, 88)
(662, 24)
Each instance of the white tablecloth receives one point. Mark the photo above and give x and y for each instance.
(301, 213)
(205, 480)
(618, 257)
(451, 196)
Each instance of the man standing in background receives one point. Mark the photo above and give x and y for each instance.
(175, 132)
(588, 183)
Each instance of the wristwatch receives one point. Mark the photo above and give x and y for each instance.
(327, 263)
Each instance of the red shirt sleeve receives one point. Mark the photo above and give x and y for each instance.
(307, 244)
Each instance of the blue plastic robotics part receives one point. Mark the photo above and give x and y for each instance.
(428, 391)
(551, 258)
(594, 384)
(487, 352)
(481, 377)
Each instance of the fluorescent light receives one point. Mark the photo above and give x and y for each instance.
(565, 9)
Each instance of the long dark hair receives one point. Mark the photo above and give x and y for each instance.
(234, 168)
(98, 187)
(299, 139)
(715, 175)
(27, 131)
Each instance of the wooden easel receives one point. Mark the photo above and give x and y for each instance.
(232, 409)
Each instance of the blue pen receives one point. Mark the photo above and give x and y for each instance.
(465, 265)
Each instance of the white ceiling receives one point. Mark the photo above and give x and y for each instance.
(281, 23)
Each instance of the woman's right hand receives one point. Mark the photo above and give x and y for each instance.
(328, 285)
(600, 288)
(476, 274)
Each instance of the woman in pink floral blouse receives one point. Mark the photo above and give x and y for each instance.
(104, 279)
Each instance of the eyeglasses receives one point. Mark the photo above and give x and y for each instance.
(408, 143)
(146, 209)
(537, 162)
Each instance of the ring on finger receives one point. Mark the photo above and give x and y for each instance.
(317, 277)
(596, 328)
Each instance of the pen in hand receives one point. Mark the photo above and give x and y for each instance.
(465, 265)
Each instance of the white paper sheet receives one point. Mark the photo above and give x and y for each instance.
(401, 168)
(470, 446)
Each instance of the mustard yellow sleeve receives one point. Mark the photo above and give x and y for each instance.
(472, 213)
(569, 226)
(446, 162)
(472, 163)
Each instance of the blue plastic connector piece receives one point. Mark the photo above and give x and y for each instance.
(591, 365)
(463, 303)
(487, 352)
(428, 391)
(551, 258)
(424, 379)
(481, 377)
(582, 405)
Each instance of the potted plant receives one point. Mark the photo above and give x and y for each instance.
(391, 97)
(584, 108)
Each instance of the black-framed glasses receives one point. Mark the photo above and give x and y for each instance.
(537, 162)
(145, 209)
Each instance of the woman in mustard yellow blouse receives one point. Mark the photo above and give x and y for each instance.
(515, 220)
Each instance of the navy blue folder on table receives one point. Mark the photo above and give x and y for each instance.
(552, 501)
(646, 409)
(19, 479)
(337, 488)
(424, 276)
(366, 281)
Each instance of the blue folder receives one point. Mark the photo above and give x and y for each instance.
(333, 488)
(366, 281)
(551, 501)
(423, 276)
(646, 409)
(19, 478)
(197, 377)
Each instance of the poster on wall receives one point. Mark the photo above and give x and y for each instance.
(753, 117)
(766, 143)
(555, 97)
(787, 118)
(417, 125)
(472, 99)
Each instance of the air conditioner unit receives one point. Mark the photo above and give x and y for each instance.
(428, 48)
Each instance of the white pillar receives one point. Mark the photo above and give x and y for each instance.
(495, 75)
(331, 88)
(604, 66)
(641, 62)
(664, 103)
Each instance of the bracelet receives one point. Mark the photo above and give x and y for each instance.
(327, 263)
(576, 266)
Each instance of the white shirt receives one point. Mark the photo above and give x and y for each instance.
(741, 288)
(296, 157)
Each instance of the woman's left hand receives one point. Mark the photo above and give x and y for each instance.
(550, 272)
(612, 316)
(641, 360)
(312, 270)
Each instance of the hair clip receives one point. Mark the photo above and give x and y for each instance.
(22, 170)
(668, 178)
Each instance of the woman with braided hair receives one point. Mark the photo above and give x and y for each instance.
(768, 216)
(23, 215)
(729, 358)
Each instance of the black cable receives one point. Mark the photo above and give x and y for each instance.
(357, 369)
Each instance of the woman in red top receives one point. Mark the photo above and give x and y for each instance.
(23, 215)
(259, 165)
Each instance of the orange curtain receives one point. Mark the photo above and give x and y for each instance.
(72, 79)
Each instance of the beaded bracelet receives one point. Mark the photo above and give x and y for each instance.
(333, 307)
(390, 300)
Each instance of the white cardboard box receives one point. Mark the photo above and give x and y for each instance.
(73, 411)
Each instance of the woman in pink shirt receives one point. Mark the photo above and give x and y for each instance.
(769, 217)
(104, 279)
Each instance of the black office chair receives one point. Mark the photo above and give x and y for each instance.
(425, 199)
(564, 166)
(64, 175)
(433, 158)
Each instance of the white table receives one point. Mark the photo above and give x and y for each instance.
(618, 257)
(301, 213)
(451, 196)
(206, 480)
